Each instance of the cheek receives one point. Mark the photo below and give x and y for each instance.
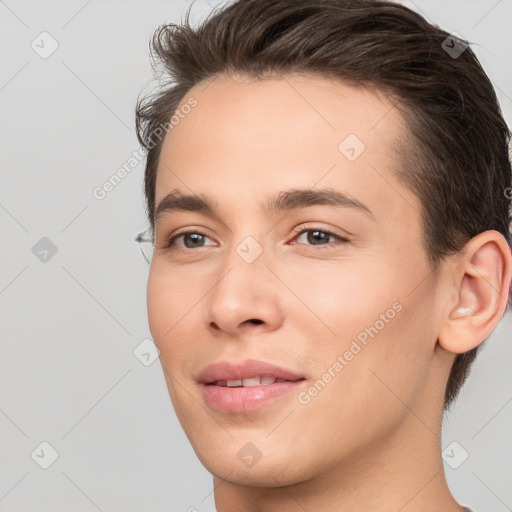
(173, 305)
(342, 298)
(159, 305)
(378, 381)
(369, 317)
(386, 357)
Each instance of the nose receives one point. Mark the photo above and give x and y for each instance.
(245, 299)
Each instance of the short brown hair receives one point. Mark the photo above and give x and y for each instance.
(456, 159)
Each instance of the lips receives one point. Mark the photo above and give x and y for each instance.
(247, 386)
(248, 383)
(225, 371)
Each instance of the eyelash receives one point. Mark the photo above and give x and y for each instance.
(297, 232)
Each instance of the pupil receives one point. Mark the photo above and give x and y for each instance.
(194, 237)
(315, 236)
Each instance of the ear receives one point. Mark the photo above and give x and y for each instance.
(481, 280)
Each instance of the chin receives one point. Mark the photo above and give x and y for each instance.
(272, 470)
(266, 475)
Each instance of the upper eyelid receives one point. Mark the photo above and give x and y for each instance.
(335, 232)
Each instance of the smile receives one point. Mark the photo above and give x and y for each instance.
(249, 385)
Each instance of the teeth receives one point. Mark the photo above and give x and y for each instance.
(252, 381)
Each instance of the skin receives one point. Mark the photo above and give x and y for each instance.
(370, 440)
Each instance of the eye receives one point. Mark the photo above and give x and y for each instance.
(316, 237)
(319, 238)
(191, 240)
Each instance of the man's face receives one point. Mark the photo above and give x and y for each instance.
(343, 312)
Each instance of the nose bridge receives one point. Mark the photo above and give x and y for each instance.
(242, 292)
(248, 248)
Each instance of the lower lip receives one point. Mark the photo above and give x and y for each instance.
(245, 399)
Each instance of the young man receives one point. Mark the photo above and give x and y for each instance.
(331, 228)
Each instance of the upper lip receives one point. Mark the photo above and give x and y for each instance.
(239, 370)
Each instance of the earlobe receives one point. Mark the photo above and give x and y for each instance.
(482, 279)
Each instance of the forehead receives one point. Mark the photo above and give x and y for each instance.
(316, 102)
(272, 133)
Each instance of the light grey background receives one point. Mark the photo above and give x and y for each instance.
(68, 375)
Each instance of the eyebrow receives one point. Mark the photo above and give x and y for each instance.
(286, 200)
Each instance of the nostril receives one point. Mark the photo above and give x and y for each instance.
(256, 321)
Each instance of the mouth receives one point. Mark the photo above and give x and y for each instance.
(247, 386)
(250, 382)
(246, 373)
